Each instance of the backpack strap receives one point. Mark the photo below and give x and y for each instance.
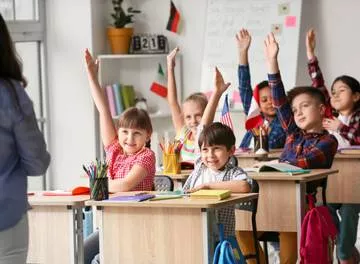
(311, 201)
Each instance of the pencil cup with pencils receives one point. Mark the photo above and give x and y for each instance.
(171, 157)
(99, 186)
(171, 163)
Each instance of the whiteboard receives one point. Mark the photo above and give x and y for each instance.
(226, 17)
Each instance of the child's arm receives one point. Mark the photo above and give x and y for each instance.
(220, 88)
(132, 179)
(243, 39)
(235, 186)
(313, 65)
(319, 156)
(279, 98)
(350, 132)
(176, 113)
(107, 128)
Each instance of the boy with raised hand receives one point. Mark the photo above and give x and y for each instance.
(212, 169)
(261, 94)
(307, 145)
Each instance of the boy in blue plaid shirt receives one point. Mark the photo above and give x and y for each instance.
(277, 134)
(308, 145)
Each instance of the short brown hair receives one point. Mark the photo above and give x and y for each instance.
(199, 98)
(309, 90)
(136, 118)
(217, 134)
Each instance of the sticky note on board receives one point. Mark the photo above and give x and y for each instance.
(290, 21)
(284, 9)
(236, 97)
(276, 29)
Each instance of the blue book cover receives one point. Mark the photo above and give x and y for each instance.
(118, 98)
(131, 198)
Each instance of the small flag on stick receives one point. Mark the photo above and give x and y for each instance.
(225, 114)
(174, 19)
(159, 86)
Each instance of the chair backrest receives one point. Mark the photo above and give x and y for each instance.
(233, 161)
(250, 205)
(163, 183)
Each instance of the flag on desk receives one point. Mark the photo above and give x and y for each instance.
(225, 114)
(159, 85)
(174, 19)
(254, 117)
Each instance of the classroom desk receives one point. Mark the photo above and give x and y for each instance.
(179, 179)
(248, 159)
(344, 186)
(167, 231)
(56, 229)
(281, 204)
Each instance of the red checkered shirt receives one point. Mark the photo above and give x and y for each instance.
(120, 164)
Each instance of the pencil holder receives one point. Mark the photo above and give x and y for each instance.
(99, 188)
(171, 163)
(264, 144)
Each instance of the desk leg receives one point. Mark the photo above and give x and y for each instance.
(208, 219)
(300, 211)
(99, 216)
(79, 239)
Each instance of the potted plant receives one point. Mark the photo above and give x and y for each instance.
(120, 36)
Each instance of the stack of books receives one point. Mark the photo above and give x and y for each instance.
(120, 97)
(211, 194)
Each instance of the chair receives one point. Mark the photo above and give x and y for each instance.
(233, 161)
(163, 183)
(252, 207)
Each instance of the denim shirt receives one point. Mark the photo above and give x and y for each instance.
(22, 152)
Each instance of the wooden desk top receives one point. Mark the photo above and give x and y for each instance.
(273, 153)
(39, 199)
(181, 176)
(347, 156)
(315, 174)
(184, 202)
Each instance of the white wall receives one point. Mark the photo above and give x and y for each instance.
(70, 30)
(71, 109)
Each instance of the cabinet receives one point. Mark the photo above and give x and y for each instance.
(141, 71)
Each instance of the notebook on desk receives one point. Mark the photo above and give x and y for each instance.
(131, 198)
(350, 150)
(210, 194)
(280, 167)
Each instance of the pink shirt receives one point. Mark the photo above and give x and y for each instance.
(120, 164)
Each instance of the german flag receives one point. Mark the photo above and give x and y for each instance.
(174, 19)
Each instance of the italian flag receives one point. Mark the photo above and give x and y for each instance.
(159, 86)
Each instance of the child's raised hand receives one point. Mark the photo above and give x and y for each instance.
(310, 43)
(91, 66)
(271, 47)
(331, 124)
(220, 85)
(243, 39)
(171, 58)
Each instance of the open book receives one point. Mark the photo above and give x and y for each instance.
(281, 167)
(350, 150)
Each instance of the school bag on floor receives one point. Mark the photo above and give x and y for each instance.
(227, 250)
(318, 234)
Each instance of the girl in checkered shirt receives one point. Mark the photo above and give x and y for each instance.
(131, 164)
(345, 100)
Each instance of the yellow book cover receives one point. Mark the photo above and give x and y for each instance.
(211, 194)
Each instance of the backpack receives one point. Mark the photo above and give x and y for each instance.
(227, 250)
(318, 233)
